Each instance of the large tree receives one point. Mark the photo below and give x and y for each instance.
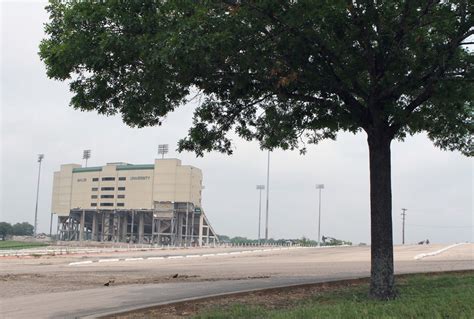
(285, 73)
(5, 230)
(23, 229)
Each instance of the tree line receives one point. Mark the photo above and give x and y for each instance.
(18, 229)
(303, 241)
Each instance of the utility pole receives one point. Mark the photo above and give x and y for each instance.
(40, 159)
(404, 213)
(268, 194)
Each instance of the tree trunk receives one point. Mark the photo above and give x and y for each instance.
(382, 284)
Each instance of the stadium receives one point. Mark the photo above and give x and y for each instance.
(156, 203)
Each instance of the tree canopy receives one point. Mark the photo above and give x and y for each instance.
(5, 229)
(283, 72)
(23, 229)
(18, 229)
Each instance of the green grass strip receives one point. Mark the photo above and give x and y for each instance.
(421, 296)
(9, 244)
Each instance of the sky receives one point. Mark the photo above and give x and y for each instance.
(435, 186)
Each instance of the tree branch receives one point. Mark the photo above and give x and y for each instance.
(330, 58)
(434, 72)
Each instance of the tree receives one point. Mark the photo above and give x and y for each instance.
(22, 229)
(224, 238)
(5, 230)
(240, 240)
(285, 73)
(305, 241)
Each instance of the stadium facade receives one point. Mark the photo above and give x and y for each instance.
(156, 203)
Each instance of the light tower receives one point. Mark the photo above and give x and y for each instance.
(260, 188)
(268, 196)
(404, 213)
(320, 187)
(162, 150)
(40, 160)
(86, 155)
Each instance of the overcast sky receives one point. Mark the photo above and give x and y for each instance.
(435, 186)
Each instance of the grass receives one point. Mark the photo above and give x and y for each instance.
(10, 244)
(421, 296)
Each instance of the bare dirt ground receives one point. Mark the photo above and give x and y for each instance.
(33, 283)
(26, 276)
(30, 286)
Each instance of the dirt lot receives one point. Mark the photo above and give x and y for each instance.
(22, 276)
(29, 275)
(49, 285)
(27, 284)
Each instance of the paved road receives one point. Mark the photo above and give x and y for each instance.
(217, 275)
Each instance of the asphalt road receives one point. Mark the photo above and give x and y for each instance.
(213, 275)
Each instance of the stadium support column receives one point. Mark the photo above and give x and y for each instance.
(141, 227)
(124, 227)
(158, 230)
(131, 227)
(201, 224)
(94, 227)
(116, 227)
(59, 236)
(103, 227)
(82, 225)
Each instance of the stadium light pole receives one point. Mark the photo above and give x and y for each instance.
(188, 240)
(162, 150)
(40, 160)
(320, 187)
(268, 194)
(260, 188)
(86, 155)
(404, 213)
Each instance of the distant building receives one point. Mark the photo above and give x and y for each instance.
(156, 203)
